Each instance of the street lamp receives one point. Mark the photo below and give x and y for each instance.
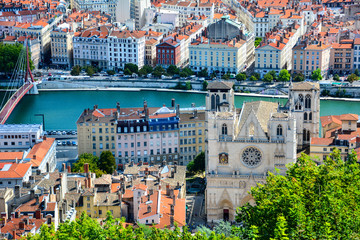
(43, 119)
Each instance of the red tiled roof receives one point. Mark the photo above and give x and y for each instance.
(39, 151)
(322, 141)
(11, 155)
(349, 117)
(16, 170)
(326, 120)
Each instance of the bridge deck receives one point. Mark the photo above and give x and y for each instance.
(13, 101)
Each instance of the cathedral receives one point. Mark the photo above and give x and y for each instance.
(243, 145)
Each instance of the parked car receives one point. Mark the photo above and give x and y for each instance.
(63, 143)
(73, 143)
(68, 143)
(59, 143)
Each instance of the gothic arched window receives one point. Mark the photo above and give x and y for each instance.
(217, 102)
(301, 98)
(308, 101)
(224, 130)
(298, 106)
(304, 135)
(305, 117)
(224, 96)
(213, 106)
(279, 130)
(310, 116)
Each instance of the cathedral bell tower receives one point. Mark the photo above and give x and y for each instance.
(304, 105)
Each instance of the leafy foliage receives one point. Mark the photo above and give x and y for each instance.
(111, 72)
(336, 77)
(357, 73)
(203, 73)
(107, 162)
(75, 71)
(256, 76)
(316, 75)
(9, 54)
(352, 78)
(127, 71)
(204, 85)
(241, 77)
(198, 164)
(273, 74)
(132, 67)
(145, 70)
(299, 77)
(268, 78)
(92, 160)
(186, 72)
(310, 202)
(284, 76)
(257, 41)
(172, 70)
(90, 229)
(158, 71)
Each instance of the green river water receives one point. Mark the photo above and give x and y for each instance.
(62, 108)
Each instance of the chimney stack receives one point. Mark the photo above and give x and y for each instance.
(86, 168)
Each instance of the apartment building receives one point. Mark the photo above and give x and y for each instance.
(341, 58)
(137, 10)
(126, 47)
(131, 134)
(261, 24)
(192, 134)
(356, 53)
(273, 53)
(188, 8)
(168, 53)
(40, 29)
(19, 136)
(91, 47)
(227, 47)
(62, 45)
(307, 58)
(150, 52)
(104, 6)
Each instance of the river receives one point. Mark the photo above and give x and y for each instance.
(62, 108)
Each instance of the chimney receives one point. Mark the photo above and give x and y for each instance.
(171, 221)
(168, 189)
(178, 111)
(173, 102)
(17, 191)
(172, 209)
(118, 109)
(38, 214)
(86, 168)
(21, 225)
(69, 169)
(149, 208)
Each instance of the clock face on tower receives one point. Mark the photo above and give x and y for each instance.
(223, 158)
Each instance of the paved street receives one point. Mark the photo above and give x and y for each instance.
(196, 213)
(65, 154)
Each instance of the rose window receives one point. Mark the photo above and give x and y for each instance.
(251, 157)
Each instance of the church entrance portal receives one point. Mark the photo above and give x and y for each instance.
(226, 215)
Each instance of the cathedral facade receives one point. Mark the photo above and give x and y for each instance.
(243, 145)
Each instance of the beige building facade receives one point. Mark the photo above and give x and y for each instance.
(341, 58)
(192, 134)
(308, 58)
(62, 46)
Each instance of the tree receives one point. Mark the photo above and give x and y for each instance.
(186, 72)
(253, 78)
(90, 71)
(127, 71)
(299, 77)
(132, 67)
(145, 70)
(75, 71)
(204, 85)
(336, 77)
(111, 72)
(226, 76)
(198, 164)
(273, 74)
(268, 77)
(256, 75)
(310, 202)
(188, 85)
(172, 70)
(9, 54)
(92, 160)
(203, 73)
(257, 41)
(107, 162)
(316, 75)
(284, 76)
(352, 78)
(158, 71)
(223, 228)
(241, 77)
(357, 72)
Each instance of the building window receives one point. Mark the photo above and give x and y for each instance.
(308, 101)
(279, 130)
(224, 130)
